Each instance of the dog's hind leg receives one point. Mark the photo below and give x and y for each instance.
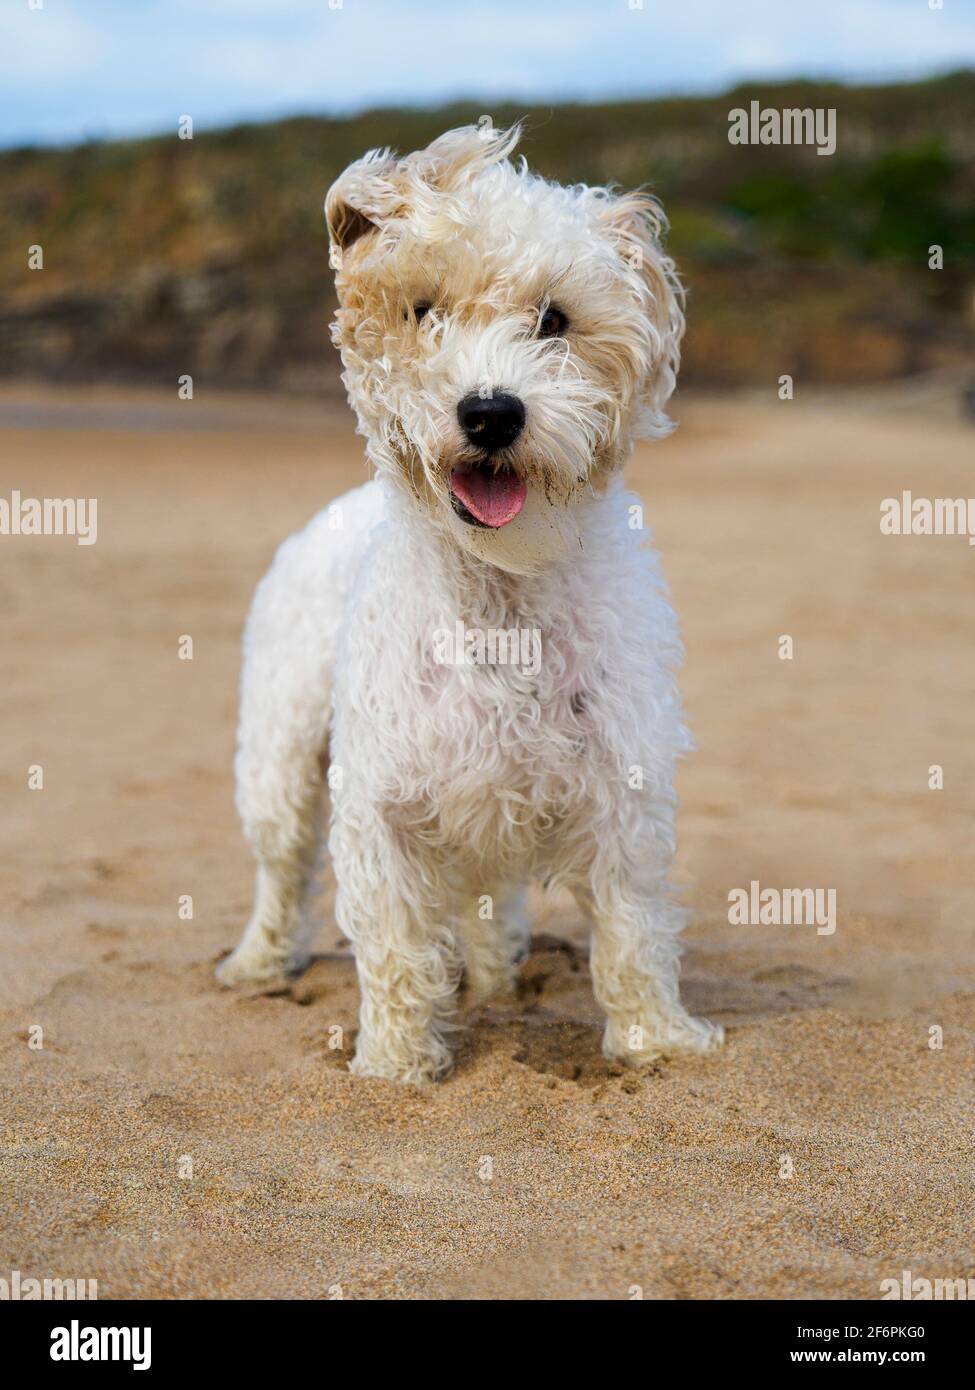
(281, 769)
(285, 835)
(494, 934)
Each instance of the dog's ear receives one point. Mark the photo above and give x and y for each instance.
(359, 200)
(346, 224)
(379, 188)
(636, 224)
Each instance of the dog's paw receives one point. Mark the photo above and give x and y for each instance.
(420, 1070)
(697, 1036)
(248, 968)
(641, 1046)
(480, 987)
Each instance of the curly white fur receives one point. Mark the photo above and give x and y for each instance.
(454, 785)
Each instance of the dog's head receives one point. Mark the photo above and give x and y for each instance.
(505, 339)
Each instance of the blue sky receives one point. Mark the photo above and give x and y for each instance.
(75, 69)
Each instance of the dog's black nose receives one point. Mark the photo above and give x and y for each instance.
(491, 422)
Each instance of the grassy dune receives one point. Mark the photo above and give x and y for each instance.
(164, 256)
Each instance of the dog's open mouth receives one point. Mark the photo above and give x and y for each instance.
(483, 495)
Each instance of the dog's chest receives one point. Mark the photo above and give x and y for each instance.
(504, 747)
(486, 728)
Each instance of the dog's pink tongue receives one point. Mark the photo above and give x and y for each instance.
(494, 498)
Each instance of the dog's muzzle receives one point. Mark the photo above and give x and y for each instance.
(484, 493)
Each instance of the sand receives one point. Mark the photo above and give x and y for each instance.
(173, 1140)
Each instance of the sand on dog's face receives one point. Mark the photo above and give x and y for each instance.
(537, 1169)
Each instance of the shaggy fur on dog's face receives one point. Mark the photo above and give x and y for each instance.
(460, 274)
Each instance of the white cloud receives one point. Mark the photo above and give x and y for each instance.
(80, 67)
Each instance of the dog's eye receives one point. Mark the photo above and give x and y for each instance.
(420, 312)
(552, 324)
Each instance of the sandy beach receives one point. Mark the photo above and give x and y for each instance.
(170, 1139)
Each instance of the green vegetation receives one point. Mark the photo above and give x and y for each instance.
(163, 256)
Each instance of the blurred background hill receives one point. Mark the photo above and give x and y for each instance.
(208, 256)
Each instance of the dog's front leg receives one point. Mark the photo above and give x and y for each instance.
(397, 918)
(635, 967)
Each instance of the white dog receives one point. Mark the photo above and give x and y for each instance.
(504, 341)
